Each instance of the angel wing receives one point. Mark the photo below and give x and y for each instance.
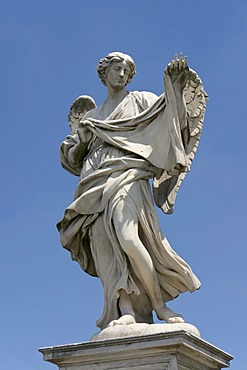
(165, 186)
(78, 109)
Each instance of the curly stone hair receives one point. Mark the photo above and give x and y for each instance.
(106, 62)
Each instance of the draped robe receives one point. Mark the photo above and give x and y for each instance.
(142, 136)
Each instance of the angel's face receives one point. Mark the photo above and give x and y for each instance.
(117, 75)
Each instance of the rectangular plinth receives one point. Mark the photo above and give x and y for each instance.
(166, 351)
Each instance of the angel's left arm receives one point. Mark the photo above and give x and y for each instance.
(177, 71)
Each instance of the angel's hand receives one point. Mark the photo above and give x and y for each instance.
(87, 123)
(178, 69)
(84, 135)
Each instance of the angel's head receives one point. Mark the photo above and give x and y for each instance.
(105, 64)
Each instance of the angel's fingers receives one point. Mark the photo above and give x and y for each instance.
(176, 61)
(180, 60)
(88, 123)
(78, 133)
(185, 61)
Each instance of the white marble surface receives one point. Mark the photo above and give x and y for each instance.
(111, 228)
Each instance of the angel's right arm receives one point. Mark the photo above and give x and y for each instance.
(77, 152)
(75, 147)
(72, 152)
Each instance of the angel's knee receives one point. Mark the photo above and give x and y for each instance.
(129, 240)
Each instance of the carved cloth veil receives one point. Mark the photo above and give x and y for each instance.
(157, 135)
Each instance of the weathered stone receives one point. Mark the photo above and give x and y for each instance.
(178, 350)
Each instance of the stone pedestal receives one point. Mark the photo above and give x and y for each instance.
(177, 350)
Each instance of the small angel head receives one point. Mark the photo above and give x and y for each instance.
(78, 109)
(105, 64)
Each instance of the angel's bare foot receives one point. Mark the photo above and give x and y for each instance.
(123, 320)
(166, 314)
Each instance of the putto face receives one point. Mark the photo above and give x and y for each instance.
(118, 74)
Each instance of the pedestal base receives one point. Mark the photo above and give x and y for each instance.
(177, 350)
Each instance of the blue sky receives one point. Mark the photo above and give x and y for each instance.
(49, 51)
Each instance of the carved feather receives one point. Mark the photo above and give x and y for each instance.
(78, 109)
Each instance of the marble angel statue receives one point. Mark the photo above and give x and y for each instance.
(111, 228)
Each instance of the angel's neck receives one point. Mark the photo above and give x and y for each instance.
(116, 96)
(110, 104)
